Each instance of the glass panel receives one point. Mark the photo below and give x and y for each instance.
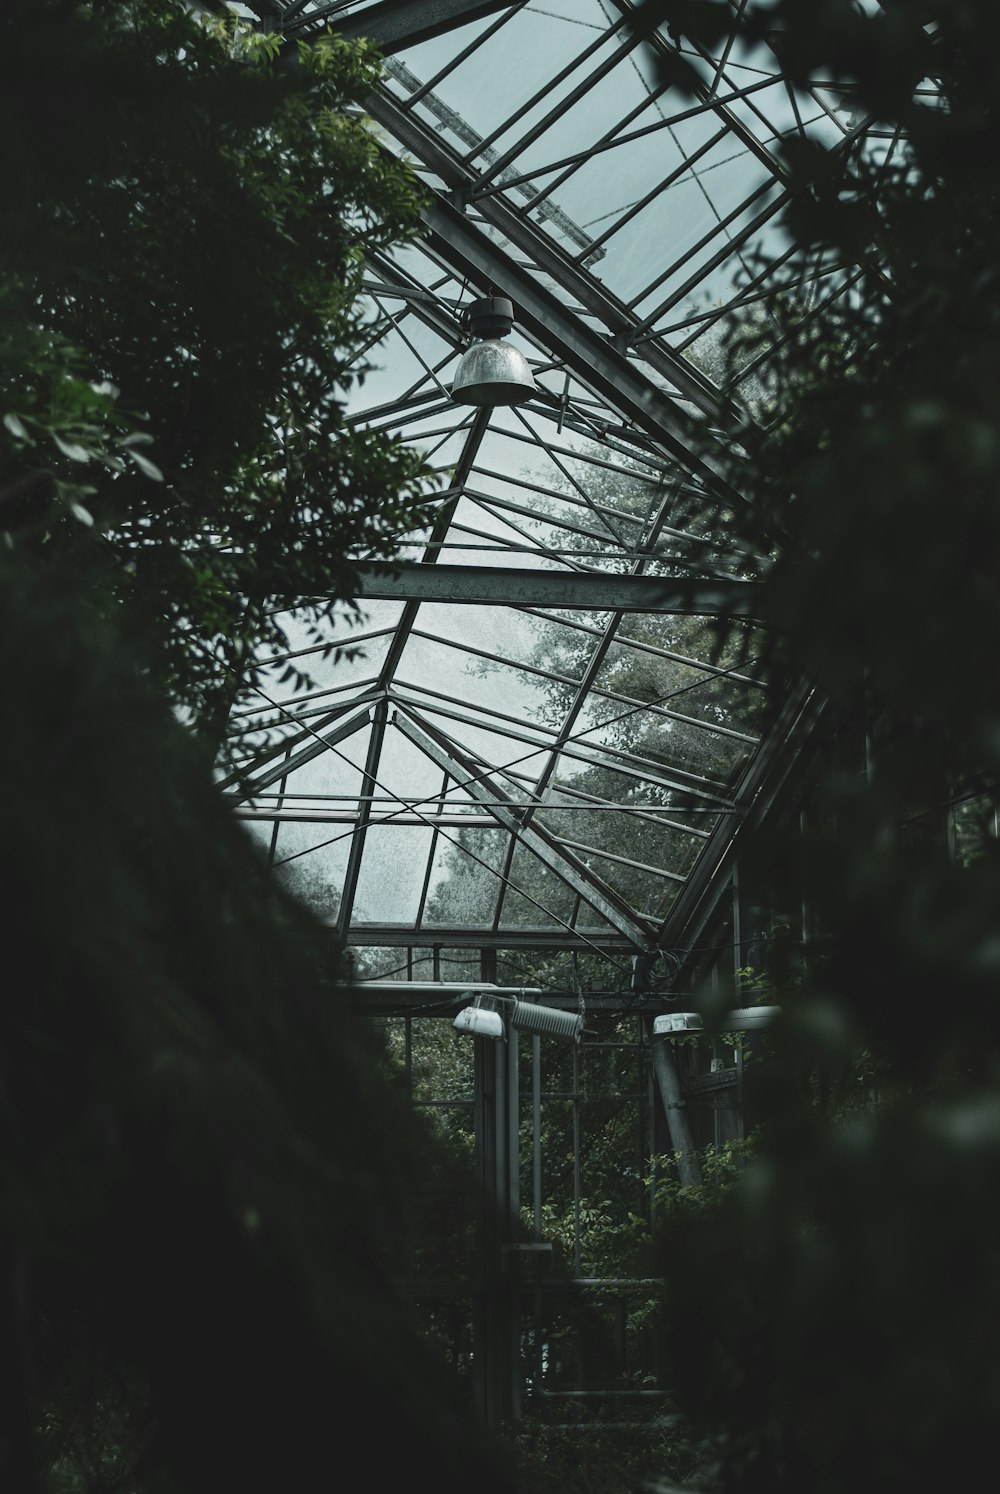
(407, 779)
(464, 888)
(313, 864)
(493, 630)
(533, 885)
(389, 963)
(393, 868)
(317, 676)
(471, 680)
(699, 767)
(505, 753)
(658, 840)
(443, 1066)
(710, 268)
(333, 775)
(460, 964)
(518, 62)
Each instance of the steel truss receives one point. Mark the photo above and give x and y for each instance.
(544, 755)
(619, 396)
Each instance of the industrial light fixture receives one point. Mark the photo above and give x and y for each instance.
(481, 1023)
(491, 372)
(743, 1019)
(483, 1020)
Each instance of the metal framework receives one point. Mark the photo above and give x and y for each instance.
(532, 746)
(555, 625)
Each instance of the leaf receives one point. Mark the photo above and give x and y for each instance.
(150, 469)
(72, 449)
(83, 514)
(16, 426)
(137, 438)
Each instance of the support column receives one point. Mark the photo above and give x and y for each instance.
(496, 1309)
(669, 1086)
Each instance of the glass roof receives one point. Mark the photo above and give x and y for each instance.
(498, 744)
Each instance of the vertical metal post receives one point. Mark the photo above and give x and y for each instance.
(621, 1335)
(672, 1096)
(496, 1308)
(640, 1119)
(408, 1054)
(716, 1125)
(536, 1137)
(513, 1128)
(510, 1205)
(577, 1271)
(486, 1244)
(738, 966)
(660, 1140)
(805, 912)
(737, 930)
(536, 1204)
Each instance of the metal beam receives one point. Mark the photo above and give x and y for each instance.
(435, 313)
(498, 268)
(368, 786)
(451, 991)
(598, 756)
(400, 936)
(767, 782)
(274, 749)
(264, 9)
(428, 821)
(395, 24)
(590, 357)
(705, 95)
(585, 591)
(566, 866)
(316, 746)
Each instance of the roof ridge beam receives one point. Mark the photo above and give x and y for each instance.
(526, 586)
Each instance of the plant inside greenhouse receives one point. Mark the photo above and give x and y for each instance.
(499, 571)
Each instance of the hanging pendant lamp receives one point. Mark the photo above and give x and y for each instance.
(491, 372)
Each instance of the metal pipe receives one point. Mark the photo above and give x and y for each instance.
(459, 989)
(669, 1085)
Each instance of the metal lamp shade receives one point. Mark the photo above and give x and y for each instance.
(492, 373)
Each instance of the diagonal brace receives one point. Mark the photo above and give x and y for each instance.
(569, 868)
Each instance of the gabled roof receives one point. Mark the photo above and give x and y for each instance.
(539, 740)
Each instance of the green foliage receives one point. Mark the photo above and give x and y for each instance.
(206, 1184)
(830, 1330)
(180, 263)
(720, 1168)
(836, 1322)
(611, 1233)
(598, 1456)
(441, 1065)
(206, 1176)
(605, 1448)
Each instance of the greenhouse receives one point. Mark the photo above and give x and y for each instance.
(541, 457)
